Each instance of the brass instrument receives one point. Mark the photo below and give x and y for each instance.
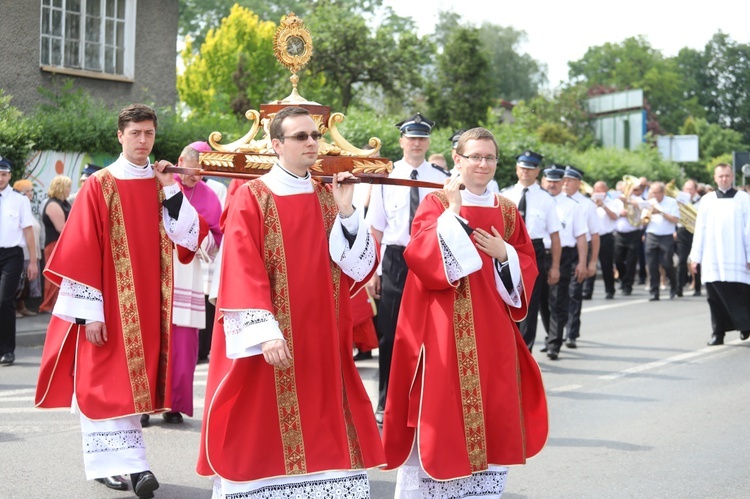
(633, 212)
(585, 188)
(688, 213)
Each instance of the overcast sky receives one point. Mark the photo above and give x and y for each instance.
(558, 32)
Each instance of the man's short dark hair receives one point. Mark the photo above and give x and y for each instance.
(276, 130)
(135, 113)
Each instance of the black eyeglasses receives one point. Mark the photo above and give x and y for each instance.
(303, 136)
(476, 159)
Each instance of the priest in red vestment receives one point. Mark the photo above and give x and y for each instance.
(466, 397)
(107, 349)
(286, 412)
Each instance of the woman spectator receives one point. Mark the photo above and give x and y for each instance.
(54, 215)
(26, 288)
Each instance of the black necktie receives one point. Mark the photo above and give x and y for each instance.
(413, 199)
(522, 204)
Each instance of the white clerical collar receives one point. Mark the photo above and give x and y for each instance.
(470, 199)
(288, 182)
(135, 170)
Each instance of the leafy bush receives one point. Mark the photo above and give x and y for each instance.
(71, 120)
(18, 135)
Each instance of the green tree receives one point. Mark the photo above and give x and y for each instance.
(635, 64)
(719, 80)
(350, 57)
(561, 118)
(714, 141)
(461, 92)
(198, 17)
(515, 75)
(235, 69)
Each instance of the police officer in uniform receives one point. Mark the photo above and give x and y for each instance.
(571, 186)
(389, 216)
(538, 209)
(15, 227)
(572, 261)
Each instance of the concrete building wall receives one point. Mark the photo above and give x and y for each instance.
(154, 81)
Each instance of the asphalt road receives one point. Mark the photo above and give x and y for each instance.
(642, 409)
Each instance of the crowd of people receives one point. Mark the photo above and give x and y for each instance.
(445, 279)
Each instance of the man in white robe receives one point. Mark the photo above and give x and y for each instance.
(721, 246)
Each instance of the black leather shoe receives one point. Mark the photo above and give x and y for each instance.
(679, 292)
(8, 359)
(609, 296)
(571, 343)
(627, 292)
(697, 293)
(144, 484)
(363, 355)
(744, 335)
(552, 355)
(145, 420)
(715, 340)
(654, 298)
(543, 349)
(172, 417)
(114, 482)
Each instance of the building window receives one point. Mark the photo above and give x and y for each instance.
(91, 36)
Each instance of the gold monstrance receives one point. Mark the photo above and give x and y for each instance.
(293, 48)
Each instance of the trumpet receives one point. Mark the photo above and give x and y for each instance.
(585, 188)
(688, 213)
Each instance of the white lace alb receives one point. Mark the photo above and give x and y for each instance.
(80, 291)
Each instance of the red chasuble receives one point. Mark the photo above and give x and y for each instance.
(261, 421)
(114, 241)
(462, 380)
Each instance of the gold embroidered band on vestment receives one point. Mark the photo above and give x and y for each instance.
(126, 295)
(286, 386)
(330, 212)
(469, 378)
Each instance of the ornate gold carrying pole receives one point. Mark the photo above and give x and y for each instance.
(250, 156)
(363, 178)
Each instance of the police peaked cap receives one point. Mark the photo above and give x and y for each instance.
(5, 164)
(554, 173)
(529, 159)
(91, 169)
(456, 135)
(573, 172)
(416, 126)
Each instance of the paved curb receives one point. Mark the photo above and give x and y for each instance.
(31, 331)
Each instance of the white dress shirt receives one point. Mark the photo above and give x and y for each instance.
(15, 215)
(541, 210)
(571, 219)
(388, 211)
(660, 226)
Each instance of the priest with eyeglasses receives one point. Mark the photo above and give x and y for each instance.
(466, 398)
(286, 413)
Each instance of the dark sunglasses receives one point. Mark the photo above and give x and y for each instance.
(303, 136)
